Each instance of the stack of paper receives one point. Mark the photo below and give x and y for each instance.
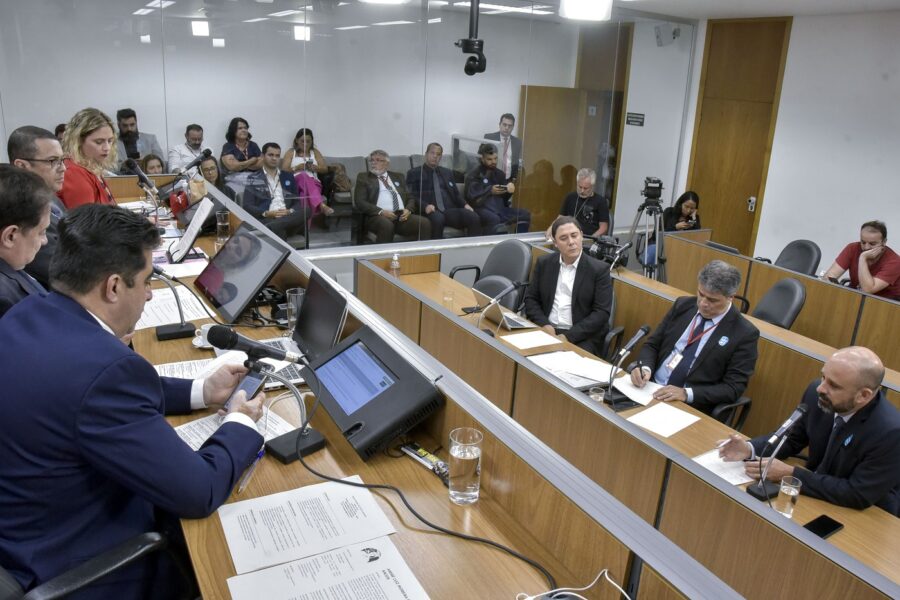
(642, 395)
(195, 433)
(732, 472)
(563, 364)
(162, 309)
(531, 339)
(663, 419)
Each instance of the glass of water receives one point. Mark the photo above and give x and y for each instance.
(788, 493)
(223, 227)
(294, 300)
(465, 465)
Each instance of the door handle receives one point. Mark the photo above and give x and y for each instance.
(751, 204)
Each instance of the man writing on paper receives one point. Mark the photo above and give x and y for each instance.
(89, 460)
(704, 351)
(851, 430)
(570, 293)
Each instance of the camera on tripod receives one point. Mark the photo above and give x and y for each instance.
(652, 188)
(607, 248)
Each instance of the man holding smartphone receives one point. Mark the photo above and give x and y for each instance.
(874, 268)
(489, 192)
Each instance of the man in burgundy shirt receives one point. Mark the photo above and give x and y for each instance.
(874, 268)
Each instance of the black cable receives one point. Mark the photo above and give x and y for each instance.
(380, 486)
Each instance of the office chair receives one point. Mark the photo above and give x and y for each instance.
(613, 338)
(733, 414)
(782, 303)
(492, 285)
(801, 256)
(87, 572)
(510, 259)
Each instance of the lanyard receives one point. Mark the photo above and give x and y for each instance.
(691, 337)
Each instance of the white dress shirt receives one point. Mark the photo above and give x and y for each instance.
(561, 313)
(507, 164)
(181, 155)
(275, 191)
(385, 199)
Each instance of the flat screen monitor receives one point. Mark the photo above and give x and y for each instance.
(321, 317)
(354, 377)
(235, 275)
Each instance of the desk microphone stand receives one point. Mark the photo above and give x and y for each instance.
(766, 490)
(610, 395)
(173, 331)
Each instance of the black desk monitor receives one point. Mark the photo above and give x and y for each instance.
(371, 392)
(235, 275)
(321, 319)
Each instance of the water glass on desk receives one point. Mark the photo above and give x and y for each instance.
(465, 465)
(223, 227)
(294, 299)
(788, 493)
(448, 299)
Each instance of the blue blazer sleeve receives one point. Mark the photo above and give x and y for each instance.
(256, 195)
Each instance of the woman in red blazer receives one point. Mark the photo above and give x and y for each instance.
(90, 147)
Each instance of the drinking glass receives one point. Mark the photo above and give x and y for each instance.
(788, 493)
(294, 302)
(223, 228)
(465, 465)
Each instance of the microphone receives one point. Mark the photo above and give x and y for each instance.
(508, 289)
(609, 396)
(638, 336)
(172, 331)
(143, 180)
(225, 338)
(203, 156)
(791, 420)
(619, 253)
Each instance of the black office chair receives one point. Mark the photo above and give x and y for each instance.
(801, 256)
(510, 259)
(733, 414)
(87, 572)
(613, 339)
(493, 285)
(782, 303)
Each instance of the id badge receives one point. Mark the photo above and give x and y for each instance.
(673, 362)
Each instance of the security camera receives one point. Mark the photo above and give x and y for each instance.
(475, 64)
(472, 45)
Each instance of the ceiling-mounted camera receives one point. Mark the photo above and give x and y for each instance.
(472, 45)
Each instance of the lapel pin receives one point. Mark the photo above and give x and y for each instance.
(847, 441)
(723, 340)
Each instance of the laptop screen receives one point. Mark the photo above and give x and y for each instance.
(321, 317)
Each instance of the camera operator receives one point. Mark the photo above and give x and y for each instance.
(586, 206)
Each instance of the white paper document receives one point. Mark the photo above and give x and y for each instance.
(162, 308)
(732, 472)
(195, 433)
(180, 249)
(531, 339)
(197, 369)
(372, 570)
(291, 525)
(587, 370)
(188, 268)
(663, 419)
(642, 396)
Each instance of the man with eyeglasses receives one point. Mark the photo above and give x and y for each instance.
(37, 150)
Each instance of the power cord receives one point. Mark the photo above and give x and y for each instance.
(570, 592)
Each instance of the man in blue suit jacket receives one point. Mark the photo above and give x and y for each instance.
(438, 195)
(88, 457)
(271, 196)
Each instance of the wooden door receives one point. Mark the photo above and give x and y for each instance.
(737, 106)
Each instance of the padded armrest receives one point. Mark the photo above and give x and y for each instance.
(761, 259)
(745, 304)
(723, 410)
(95, 568)
(615, 334)
(455, 270)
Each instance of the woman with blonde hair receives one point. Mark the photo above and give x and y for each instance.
(90, 147)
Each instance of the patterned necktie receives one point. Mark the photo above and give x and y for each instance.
(833, 444)
(503, 157)
(394, 196)
(679, 373)
(438, 193)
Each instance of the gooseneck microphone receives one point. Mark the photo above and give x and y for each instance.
(791, 420)
(638, 336)
(200, 158)
(172, 331)
(143, 180)
(765, 490)
(225, 338)
(609, 396)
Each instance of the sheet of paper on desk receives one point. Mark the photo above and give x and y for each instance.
(162, 308)
(372, 569)
(291, 525)
(732, 472)
(531, 339)
(196, 432)
(642, 395)
(196, 369)
(663, 419)
(189, 267)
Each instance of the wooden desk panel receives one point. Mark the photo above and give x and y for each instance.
(750, 554)
(594, 445)
(393, 304)
(411, 263)
(685, 259)
(654, 587)
(695, 235)
(879, 330)
(636, 307)
(125, 188)
(829, 314)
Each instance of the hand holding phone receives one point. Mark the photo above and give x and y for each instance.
(251, 384)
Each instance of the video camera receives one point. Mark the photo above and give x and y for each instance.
(607, 248)
(652, 188)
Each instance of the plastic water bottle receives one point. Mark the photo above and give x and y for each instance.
(395, 265)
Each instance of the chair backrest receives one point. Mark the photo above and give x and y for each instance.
(802, 256)
(782, 303)
(493, 285)
(400, 163)
(512, 260)
(417, 160)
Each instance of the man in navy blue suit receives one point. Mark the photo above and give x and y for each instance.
(851, 430)
(271, 196)
(89, 460)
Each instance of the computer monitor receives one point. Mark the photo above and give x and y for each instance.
(321, 319)
(235, 275)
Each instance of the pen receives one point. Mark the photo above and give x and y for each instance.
(245, 480)
(721, 444)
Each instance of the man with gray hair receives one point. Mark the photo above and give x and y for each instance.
(386, 206)
(589, 208)
(704, 351)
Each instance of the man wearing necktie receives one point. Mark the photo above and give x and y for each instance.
(24, 217)
(704, 351)
(439, 197)
(852, 433)
(387, 208)
(509, 151)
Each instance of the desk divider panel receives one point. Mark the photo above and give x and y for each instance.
(696, 235)
(619, 462)
(636, 307)
(876, 332)
(710, 526)
(125, 188)
(829, 314)
(655, 587)
(376, 289)
(411, 263)
(685, 258)
(474, 360)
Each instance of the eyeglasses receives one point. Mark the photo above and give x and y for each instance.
(54, 163)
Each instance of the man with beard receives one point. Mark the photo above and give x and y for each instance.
(589, 208)
(490, 192)
(851, 430)
(183, 154)
(133, 143)
(386, 205)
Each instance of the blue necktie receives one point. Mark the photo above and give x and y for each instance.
(679, 373)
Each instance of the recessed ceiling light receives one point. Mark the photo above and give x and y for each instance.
(145, 39)
(586, 10)
(257, 20)
(200, 28)
(394, 23)
(285, 13)
(438, 20)
(302, 33)
(218, 42)
(161, 3)
(349, 27)
(385, 1)
(142, 11)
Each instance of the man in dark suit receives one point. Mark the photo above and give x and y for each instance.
(24, 218)
(490, 192)
(37, 150)
(851, 430)
(704, 351)
(387, 207)
(271, 196)
(509, 147)
(438, 196)
(89, 460)
(570, 293)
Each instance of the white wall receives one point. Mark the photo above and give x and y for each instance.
(656, 88)
(836, 151)
(393, 87)
(680, 184)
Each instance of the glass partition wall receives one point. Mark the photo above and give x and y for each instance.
(366, 76)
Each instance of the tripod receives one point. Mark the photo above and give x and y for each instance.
(652, 228)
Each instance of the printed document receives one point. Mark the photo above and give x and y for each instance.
(162, 309)
(295, 524)
(196, 432)
(568, 362)
(531, 339)
(663, 419)
(732, 472)
(372, 570)
(198, 369)
(642, 395)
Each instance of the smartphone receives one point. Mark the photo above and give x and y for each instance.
(251, 383)
(824, 526)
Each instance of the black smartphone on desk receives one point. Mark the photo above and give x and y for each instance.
(824, 526)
